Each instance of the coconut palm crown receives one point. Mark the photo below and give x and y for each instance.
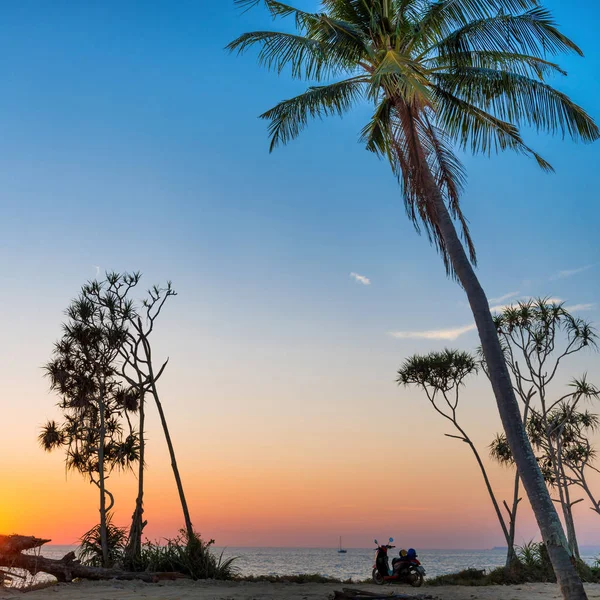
(442, 76)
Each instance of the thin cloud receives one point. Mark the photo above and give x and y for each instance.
(570, 272)
(501, 307)
(434, 334)
(501, 299)
(360, 279)
(580, 307)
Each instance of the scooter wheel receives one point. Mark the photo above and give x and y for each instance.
(377, 577)
(416, 579)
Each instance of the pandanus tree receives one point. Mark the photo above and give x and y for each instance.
(137, 367)
(441, 76)
(537, 336)
(561, 440)
(441, 375)
(96, 431)
(580, 456)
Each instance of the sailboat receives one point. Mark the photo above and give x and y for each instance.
(341, 550)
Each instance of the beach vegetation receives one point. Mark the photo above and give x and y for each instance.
(90, 550)
(532, 565)
(189, 557)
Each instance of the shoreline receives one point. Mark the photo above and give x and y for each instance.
(243, 590)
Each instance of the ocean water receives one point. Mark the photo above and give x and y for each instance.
(357, 563)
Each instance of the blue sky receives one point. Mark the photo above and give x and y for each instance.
(123, 113)
(129, 140)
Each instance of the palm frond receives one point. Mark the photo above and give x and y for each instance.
(450, 177)
(277, 9)
(519, 99)
(533, 32)
(376, 133)
(356, 12)
(475, 129)
(442, 18)
(341, 39)
(290, 117)
(305, 57)
(522, 64)
(398, 74)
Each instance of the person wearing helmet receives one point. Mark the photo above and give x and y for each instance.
(406, 557)
(400, 563)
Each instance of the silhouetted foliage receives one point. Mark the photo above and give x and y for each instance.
(95, 431)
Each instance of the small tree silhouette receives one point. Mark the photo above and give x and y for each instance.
(96, 432)
(138, 369)
(441, 375)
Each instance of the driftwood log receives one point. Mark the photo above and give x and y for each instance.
(67, 568)
(354, 594)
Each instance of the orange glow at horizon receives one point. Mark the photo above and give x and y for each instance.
(284, 503)
(281, 466)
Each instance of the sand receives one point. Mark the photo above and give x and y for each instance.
(209, 590)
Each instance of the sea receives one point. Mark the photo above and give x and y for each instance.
(356, 564)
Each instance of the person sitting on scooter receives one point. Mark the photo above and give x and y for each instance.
(400, 563)
(406, 559)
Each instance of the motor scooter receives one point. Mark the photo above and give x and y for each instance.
(405, 569)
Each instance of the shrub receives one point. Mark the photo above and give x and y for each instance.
(465, 577)
(90, 550)
(532, 566)
(188, 557)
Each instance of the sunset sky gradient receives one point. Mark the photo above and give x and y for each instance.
(130, 141)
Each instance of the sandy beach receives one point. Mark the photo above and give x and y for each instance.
(211, 590)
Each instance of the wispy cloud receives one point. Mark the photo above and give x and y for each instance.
(570, 272)
(434, 334)
(501, 307)
(360, 279)
(501, 299)
(580, 307)
(456, 332)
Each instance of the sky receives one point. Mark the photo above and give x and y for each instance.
(129, 140)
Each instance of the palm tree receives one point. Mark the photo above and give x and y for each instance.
(440, 75)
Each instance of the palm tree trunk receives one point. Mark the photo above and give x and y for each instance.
(531, 476)
(186, 513)
(511, 555)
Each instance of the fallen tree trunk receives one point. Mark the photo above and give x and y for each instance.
(13, 544)
(67, 568)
